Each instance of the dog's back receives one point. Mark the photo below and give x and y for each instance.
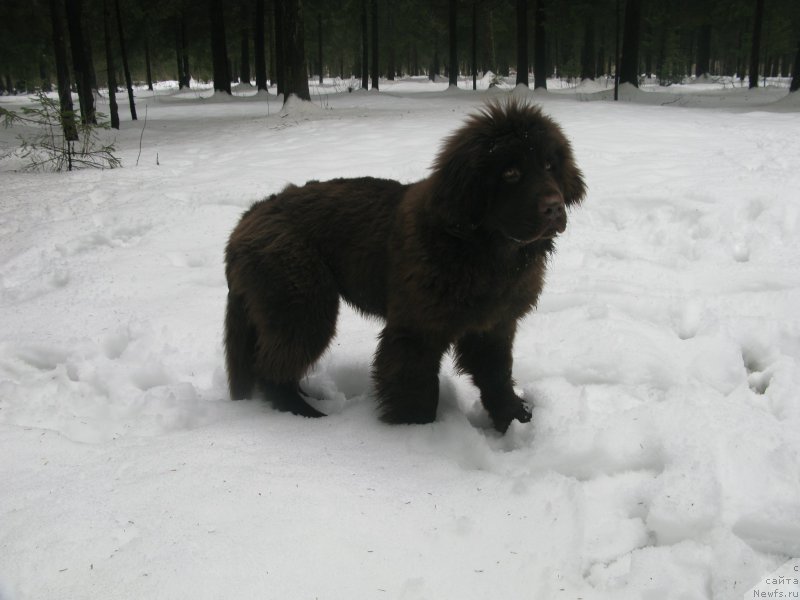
(289, 260)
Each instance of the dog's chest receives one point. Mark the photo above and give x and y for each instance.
(477, 294)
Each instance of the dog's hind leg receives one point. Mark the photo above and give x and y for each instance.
(293, 303)
(240, 347)
(287, 397)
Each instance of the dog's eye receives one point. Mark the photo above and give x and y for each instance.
(548, 165)
(512, 175)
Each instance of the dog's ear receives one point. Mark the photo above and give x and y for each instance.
(573, 183)
(458, 188)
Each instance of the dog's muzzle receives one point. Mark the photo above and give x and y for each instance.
(553, 213)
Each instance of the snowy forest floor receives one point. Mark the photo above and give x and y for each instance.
(663, 363)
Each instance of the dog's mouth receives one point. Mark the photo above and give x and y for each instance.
(555, 229)
(549, 232)
(547, 235)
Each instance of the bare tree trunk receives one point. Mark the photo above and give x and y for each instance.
(629, 63)
(147, 62)
(434, 69)
(178, 55)
(280, 46)
(588, 68)
(488, 55)
(522, 42)
(758, 18)
(219, 52)
(187, 74)
(364, 47)
(452, 68)
(244, 59)
(80, 63)
(62, 74)
(258, 48)
(391, 68)
(125, 67)
(702, 64)
(295, 64)
(540, 48)
(474, 45)
(375, 71)
(112, 78)
(270, 48)
(319, 45)
(89, 55)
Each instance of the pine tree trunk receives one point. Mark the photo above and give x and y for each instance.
(552, 56)
(452, 67)
(522, 42)
(319, 45)
(88, 53)
(269, 48)
(540, 47)
(295, 64)
(588, 68)
(80, 64)
(147, 63)
(125, 67)
(795, 85)
(62, 74)
(374, 69)
(488, 58)
(756, 47)
(364, 47)
(391, 69)
(112, 78)
(44, 75)
(629, 62)
(280, 48)
(187, 77)
(434, 70)
(600, 57)
(219, 53)
(616, 50)
(244, 62)
(702, 65)
(258, 48)
(178, 57)
(474, 45)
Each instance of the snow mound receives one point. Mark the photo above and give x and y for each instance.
(790, 101)
(590, 86)
(302, 109)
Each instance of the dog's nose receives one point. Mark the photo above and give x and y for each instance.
(552, 206)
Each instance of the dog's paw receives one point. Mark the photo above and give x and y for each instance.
(514, 409)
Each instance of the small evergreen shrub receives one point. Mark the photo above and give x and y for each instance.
(46, 148)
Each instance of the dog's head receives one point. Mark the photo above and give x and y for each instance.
(508, 171)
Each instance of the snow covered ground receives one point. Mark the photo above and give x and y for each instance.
(663, 461)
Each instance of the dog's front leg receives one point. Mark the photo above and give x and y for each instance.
(486, 356)
(406, 375)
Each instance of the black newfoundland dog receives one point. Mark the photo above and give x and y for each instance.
(454, 260)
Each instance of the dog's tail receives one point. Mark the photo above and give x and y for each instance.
(240, 348)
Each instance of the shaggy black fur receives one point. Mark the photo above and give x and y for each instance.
(454, 260)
